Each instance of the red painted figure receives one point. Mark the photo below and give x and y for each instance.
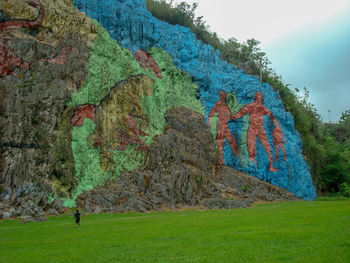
(9, 60)
(131, 137)
(147, 61)
(125, 138)
(277, 135)
(223, 131)
(82, 112)
(256, 112)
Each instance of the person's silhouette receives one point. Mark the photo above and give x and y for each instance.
(77, 217)
(256, 112)
(224, 114)
(277, 135)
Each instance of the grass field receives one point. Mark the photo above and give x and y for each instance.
(278, 232)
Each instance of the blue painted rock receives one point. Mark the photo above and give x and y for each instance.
(132, 25)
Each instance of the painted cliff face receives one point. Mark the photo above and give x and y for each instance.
(120, 108)
(8, 59)
(43, 60)
(147, 61)
(223, 132)
(110, 88)
(117, 118)
(116, 124)
(204, 65)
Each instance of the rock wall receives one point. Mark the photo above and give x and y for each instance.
(81, 105)
(140, 117)
(183, 170)
(274, 147)
(44, 55)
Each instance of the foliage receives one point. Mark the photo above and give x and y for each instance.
(326, 147)
(345, 189)
(183, 14)
(341, 131)
(246, 187)
(333, 197)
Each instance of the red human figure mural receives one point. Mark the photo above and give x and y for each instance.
(256, 112)
(223, 131)
(8, 60)
(277, 135)
(147, 61)
(82, 112)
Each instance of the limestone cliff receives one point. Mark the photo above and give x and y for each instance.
(85, 102)
(267, 157)
(43, 63)
(182, 170)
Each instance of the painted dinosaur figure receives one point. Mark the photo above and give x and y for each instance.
(9, 60)
(82, 112)
(116, 126)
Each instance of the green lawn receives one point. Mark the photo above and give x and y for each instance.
(280, 232)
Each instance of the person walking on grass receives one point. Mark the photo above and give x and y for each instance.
(77, 217)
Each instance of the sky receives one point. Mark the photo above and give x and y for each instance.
(307, 41)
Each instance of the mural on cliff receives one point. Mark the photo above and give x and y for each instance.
(115, 118)
(44, 52)
(121, 107)
(256, 130)
(147, 61)
(86, 101)
(9, 61)
(135, 28)
(224, 115)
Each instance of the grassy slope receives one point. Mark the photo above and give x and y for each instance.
(279, 232)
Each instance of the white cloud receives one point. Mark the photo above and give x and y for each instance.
(265, 20)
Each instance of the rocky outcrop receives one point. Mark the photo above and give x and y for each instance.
(35, 133)
(79, 110)
(183, 169)
(135, 28)
(29, 201)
